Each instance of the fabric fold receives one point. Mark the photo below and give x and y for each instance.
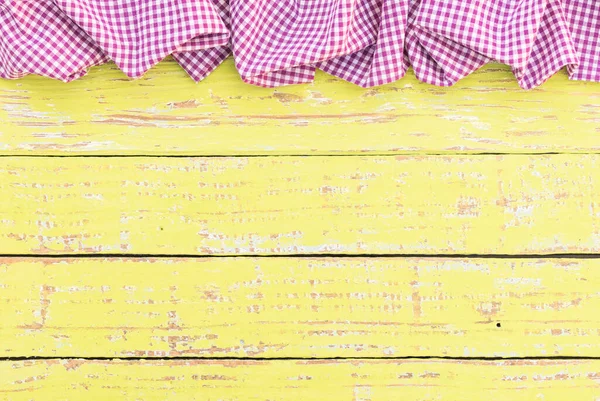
(283, 42)
(552, 49)
(449, 39)
(200, 63)
(37, 38)
(274, 43)
(583, 17)
(382, 62)
(137, 34)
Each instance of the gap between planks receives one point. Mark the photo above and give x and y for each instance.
(341, 358)
(244, 156)
(303, 256)
(361, 380)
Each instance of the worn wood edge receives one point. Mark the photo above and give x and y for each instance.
(165, 113)
(300, 380)
(385, 205)
(299, 307)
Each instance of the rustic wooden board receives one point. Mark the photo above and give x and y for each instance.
(515, 204)
(166, 113)
(360, 380)
(299, 307)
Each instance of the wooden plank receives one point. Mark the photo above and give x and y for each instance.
(299, 307)
(515, 204)
(166, 113)
(360, 380)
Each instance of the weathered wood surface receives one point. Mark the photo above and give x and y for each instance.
(514, 204)
(299, 307)
(401, 190)
(360, 380)
(165, 113)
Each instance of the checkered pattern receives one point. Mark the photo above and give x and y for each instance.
(137, 34)
(367, 42)
(382, 62)
(584, 20)
(283, 42)
(36, 38)
(435, 59)
(552, 49)
(449, 39)
(200, 63)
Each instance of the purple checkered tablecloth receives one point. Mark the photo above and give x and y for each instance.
(361, 41)
(36, 37)
(274, 43)
(449, 39)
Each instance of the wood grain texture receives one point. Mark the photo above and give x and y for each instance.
(429, 200)
(299, 307)
(516, 204)
(166, 113)
(388, 380)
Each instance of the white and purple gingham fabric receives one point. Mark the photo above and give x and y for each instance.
(137, 34)
(449, 39)
(583, 17)
(37, 38)
(283, 42)
(200, 63)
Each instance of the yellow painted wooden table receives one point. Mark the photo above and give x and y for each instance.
(162, 240)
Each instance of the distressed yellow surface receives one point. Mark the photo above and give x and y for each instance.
(359, 380)
(166, 113)
(299, 307)
(515, 204)
(384, 177)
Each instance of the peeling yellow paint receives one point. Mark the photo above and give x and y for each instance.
(299, 307)
(359, 380)
(514, 204)
(166, 113)
(400, 188)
